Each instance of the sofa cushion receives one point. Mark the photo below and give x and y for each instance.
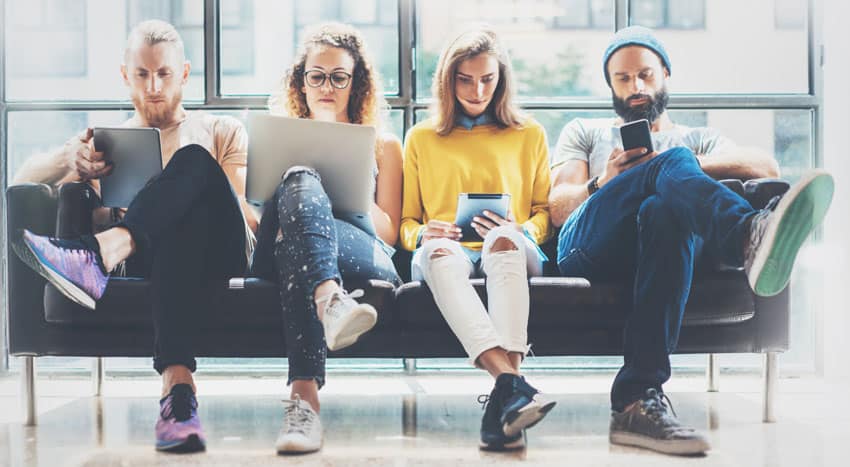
(717, 298)
(241, 303)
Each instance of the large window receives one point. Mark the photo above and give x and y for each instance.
(270, 30)
(742, 67)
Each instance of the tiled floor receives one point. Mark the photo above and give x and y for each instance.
(428, 419)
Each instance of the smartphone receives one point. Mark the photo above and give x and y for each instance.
(470, 205)
(636, 135)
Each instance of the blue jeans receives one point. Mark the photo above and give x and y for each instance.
(647, 226)
(314, 248)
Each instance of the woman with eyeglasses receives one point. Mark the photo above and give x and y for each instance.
(301, 244)
(477, 141)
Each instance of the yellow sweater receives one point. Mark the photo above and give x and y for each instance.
(485, 159)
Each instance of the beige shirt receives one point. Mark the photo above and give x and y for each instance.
(225, 138)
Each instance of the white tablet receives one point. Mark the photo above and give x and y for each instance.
(136, 156)
(470, 205)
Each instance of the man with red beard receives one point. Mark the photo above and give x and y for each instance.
(646, 219)
(188, 225)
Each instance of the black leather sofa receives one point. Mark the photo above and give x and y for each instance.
(569, 316)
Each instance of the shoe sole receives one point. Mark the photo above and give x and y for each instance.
(37, 263)
(800, 211)
(295, 450)
(678, 447)
(358, 321)
(192, 443)
(526, 417)
(515, 445)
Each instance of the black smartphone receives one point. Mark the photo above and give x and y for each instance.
(636, 135)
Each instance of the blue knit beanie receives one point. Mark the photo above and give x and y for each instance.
(634, 35)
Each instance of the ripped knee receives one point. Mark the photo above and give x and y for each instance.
(440, 253)
(503, 244)
(299, 169)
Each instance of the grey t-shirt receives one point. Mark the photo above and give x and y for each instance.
(593, 139)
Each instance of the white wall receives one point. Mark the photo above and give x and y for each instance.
(837, 159)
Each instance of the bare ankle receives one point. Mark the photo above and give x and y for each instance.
(174, 375)
(322, 290)
(116, 245)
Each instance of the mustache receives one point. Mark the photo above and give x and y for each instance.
(635, 97)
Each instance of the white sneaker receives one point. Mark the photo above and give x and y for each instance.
(345, 320)
(302, 429)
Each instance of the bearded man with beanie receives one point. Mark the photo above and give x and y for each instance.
(647, 219)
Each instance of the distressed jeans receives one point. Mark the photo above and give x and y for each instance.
(313, 247)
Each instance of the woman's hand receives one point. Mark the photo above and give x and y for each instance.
(491, 220)
(440, 229)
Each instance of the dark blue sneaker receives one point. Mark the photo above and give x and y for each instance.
(492, 436)
(178, 428)
(523, 406)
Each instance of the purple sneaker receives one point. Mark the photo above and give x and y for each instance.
(179, 428)
(73, 266)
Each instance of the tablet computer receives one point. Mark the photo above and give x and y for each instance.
(343, 154)
(470, 205)
(136, 157)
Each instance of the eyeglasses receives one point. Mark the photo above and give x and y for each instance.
(316, 78)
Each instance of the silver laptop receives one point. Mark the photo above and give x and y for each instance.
(343, 154)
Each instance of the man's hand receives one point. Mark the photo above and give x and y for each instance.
(440, 229)
(491, 220)
(619, 161)
(81, 157)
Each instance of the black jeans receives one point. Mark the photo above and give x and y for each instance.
(188, 228)
(314, 248)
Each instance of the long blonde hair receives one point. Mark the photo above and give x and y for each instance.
(468, 45)
(366, 104)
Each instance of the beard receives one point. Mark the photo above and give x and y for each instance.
(651, 110)
(158, 114)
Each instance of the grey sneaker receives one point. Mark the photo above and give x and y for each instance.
(344, 319)
(648, 424)
(778, 231)
(302, 429)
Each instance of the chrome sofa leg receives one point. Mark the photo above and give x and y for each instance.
(97, 374)
(409, 366)
(712, 373)
(28, 391)
(771, 376)
(409, 415)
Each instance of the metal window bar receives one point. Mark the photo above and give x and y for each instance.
(409, 102)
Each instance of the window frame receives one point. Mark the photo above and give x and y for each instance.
(405, 101)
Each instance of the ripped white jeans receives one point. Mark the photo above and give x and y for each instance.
(447, 275)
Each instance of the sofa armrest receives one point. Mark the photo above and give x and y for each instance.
(759, 191)
(76, 203)
(32, 207)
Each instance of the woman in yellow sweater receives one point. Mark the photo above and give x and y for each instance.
(477, 141)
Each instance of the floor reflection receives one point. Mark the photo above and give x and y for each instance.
(408, 429)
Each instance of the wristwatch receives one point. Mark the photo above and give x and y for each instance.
(593, 185)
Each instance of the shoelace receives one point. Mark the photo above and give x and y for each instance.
(73, 250)
(297, 419)
(655, 406)
(483, 399)
(179, 406)
(337, 298)
(758, 224)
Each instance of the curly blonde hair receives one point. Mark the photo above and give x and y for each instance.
(366, 104)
